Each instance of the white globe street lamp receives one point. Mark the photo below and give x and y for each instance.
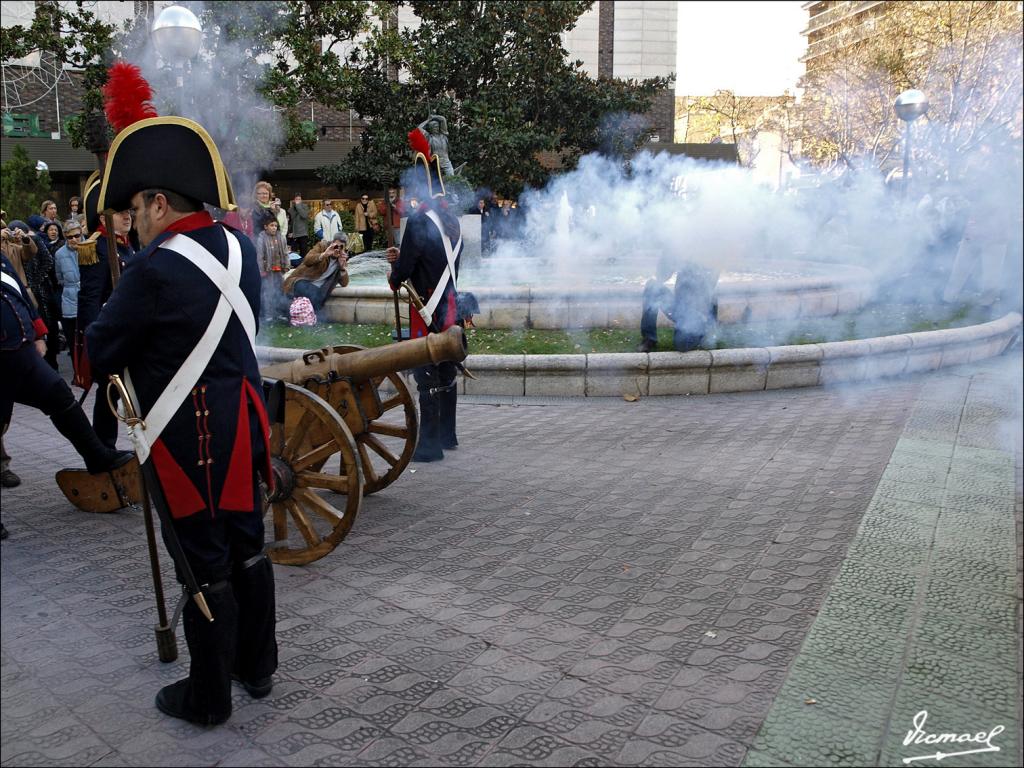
(909, 106)
(178, 36)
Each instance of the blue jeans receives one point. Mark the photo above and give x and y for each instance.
(317, 295)
(688, 307)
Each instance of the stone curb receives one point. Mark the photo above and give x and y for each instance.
(725, 370)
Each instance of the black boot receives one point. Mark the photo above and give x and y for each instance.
(256, 648)
(204, 697)
(104, 422)
(428, 447)
(74, 425)
(448, 401)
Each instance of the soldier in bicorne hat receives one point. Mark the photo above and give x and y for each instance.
(94, 290)
(181, 327)
(429, 258)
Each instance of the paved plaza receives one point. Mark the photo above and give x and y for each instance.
(770, 578)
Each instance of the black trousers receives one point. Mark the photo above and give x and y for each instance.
(216, 545)
(70, 325)
(429, 377)
(29, 380)
(49, 311)
(104, 422)
(224, 552)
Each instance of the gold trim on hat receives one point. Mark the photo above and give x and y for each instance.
(225, 194)
(94, 176)
(430, 180)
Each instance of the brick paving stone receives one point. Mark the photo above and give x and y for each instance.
(585, 582)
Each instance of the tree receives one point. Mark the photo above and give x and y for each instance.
(736, 118)
(499, 73)
(76, 38)
(254, 68)
(22, 187)
(966, 56)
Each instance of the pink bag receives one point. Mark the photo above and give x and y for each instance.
(301, 312)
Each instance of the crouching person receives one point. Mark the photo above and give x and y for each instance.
(180, 328)
(689, 303)
(324, 267)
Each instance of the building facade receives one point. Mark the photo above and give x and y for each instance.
(834, 24)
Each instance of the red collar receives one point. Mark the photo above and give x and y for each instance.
(196, 220)
(122, 239)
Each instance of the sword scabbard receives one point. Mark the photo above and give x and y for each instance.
(203, 607)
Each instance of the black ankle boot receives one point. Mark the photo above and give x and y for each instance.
(74, 425)
(448, 402)
(428, 446)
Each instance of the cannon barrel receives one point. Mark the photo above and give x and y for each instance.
(449, 346)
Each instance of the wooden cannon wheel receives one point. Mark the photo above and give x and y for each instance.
(306, 523)
(387, 447)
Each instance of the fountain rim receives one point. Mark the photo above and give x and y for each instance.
(843, 275)
(748, 369)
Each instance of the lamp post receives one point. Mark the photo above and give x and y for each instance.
(909, 106)
(178, 36)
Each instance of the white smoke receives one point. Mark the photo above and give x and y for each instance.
(248, 131)
(720, 217)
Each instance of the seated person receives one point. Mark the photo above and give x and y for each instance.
(690, 304)
(319, 272)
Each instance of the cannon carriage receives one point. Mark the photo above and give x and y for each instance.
(343, 426)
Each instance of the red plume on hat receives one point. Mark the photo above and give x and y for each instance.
(418, 142)
(126, 96)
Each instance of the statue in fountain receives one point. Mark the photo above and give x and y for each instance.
(689, 303)
(435, 128)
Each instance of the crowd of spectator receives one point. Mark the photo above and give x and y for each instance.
(312, 240)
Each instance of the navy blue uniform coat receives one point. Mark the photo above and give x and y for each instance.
(208, 454)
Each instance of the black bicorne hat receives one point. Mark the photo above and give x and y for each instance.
(90, 201)
(425, 179)
(171, 153)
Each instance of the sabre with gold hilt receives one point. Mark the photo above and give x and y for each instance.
(428, 320)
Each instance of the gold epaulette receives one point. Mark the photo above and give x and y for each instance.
(87, 250)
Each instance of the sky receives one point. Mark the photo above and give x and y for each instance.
(751, 48)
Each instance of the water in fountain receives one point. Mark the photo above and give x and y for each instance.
(368, 268)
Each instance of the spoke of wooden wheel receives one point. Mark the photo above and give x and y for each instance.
(296, 438)
(392, 430)
(380, 449)
(391, 402)
(276, 439)
(321, 507)
(280, 522)
(369, 471)
(335, 483)
(302, 523)
(319, 454)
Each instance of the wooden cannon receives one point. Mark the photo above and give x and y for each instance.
(343, 401)
(335, 404)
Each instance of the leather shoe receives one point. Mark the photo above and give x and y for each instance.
(256, 688)
(9, 480)
(647, 346)
(172, 700)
